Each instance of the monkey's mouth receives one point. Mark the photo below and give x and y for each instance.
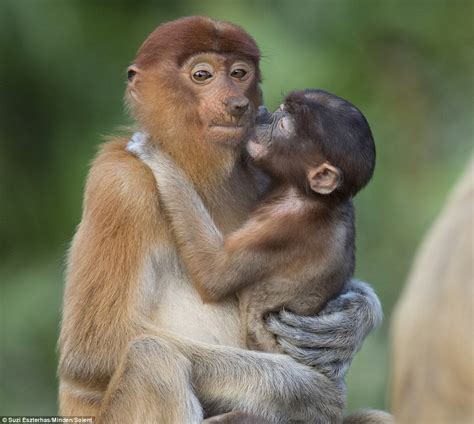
(264, 117)
(230, 123)
(227, 133)
(227, 127)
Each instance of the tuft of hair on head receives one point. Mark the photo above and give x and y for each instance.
(184, 37)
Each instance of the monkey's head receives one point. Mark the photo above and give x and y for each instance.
(196, 80)
(317, 142)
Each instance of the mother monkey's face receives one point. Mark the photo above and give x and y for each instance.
(196, 80)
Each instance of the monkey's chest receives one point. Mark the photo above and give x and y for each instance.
(178, 308)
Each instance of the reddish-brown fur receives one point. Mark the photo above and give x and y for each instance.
(197, 35)
(122, 222)
(98, 316)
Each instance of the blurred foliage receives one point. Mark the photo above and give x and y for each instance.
(406, 64)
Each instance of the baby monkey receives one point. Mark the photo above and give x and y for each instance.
(296, 250)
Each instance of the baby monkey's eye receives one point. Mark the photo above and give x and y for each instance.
(201, 75)
(286, 125)
(238, 73)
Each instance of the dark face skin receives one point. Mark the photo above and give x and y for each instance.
(270, 129)
(277, 148)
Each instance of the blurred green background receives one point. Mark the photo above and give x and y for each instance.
(406, 64)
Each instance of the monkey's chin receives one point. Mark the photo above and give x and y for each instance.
(228, 135)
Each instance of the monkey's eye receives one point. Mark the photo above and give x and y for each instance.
(238, 73)
(286, 125)
(201, 75)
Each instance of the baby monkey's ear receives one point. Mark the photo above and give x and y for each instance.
(324, 179)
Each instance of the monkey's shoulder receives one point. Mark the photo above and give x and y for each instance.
(119, 183)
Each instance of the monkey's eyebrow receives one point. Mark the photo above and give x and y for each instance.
(196, 58)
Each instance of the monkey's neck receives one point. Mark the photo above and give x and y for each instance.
(207, 166)
(220, 175)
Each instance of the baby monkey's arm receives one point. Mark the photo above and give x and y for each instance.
(218, 267)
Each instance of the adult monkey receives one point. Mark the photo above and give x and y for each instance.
(133, 323)
(436, 385)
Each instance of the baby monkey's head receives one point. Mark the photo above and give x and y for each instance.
(317, 142)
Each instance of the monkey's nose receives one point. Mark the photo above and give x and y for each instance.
(236, 106)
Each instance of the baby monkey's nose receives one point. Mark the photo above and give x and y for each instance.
(236, 106)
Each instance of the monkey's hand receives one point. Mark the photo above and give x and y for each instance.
(328, 341)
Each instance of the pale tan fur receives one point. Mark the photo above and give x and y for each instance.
(133, 323)
(432, 330)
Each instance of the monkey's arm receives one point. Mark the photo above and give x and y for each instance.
(219, 267)
(106, 301)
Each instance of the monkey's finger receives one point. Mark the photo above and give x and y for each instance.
(315, 357)
(319, 357)
(301, 338)
(302, 355)
(334, 370)
(357, 294)
(334, 322)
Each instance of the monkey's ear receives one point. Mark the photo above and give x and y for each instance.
(132, 71)
(324, 179)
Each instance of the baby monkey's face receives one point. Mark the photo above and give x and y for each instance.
(274, 133)
(285, 144)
